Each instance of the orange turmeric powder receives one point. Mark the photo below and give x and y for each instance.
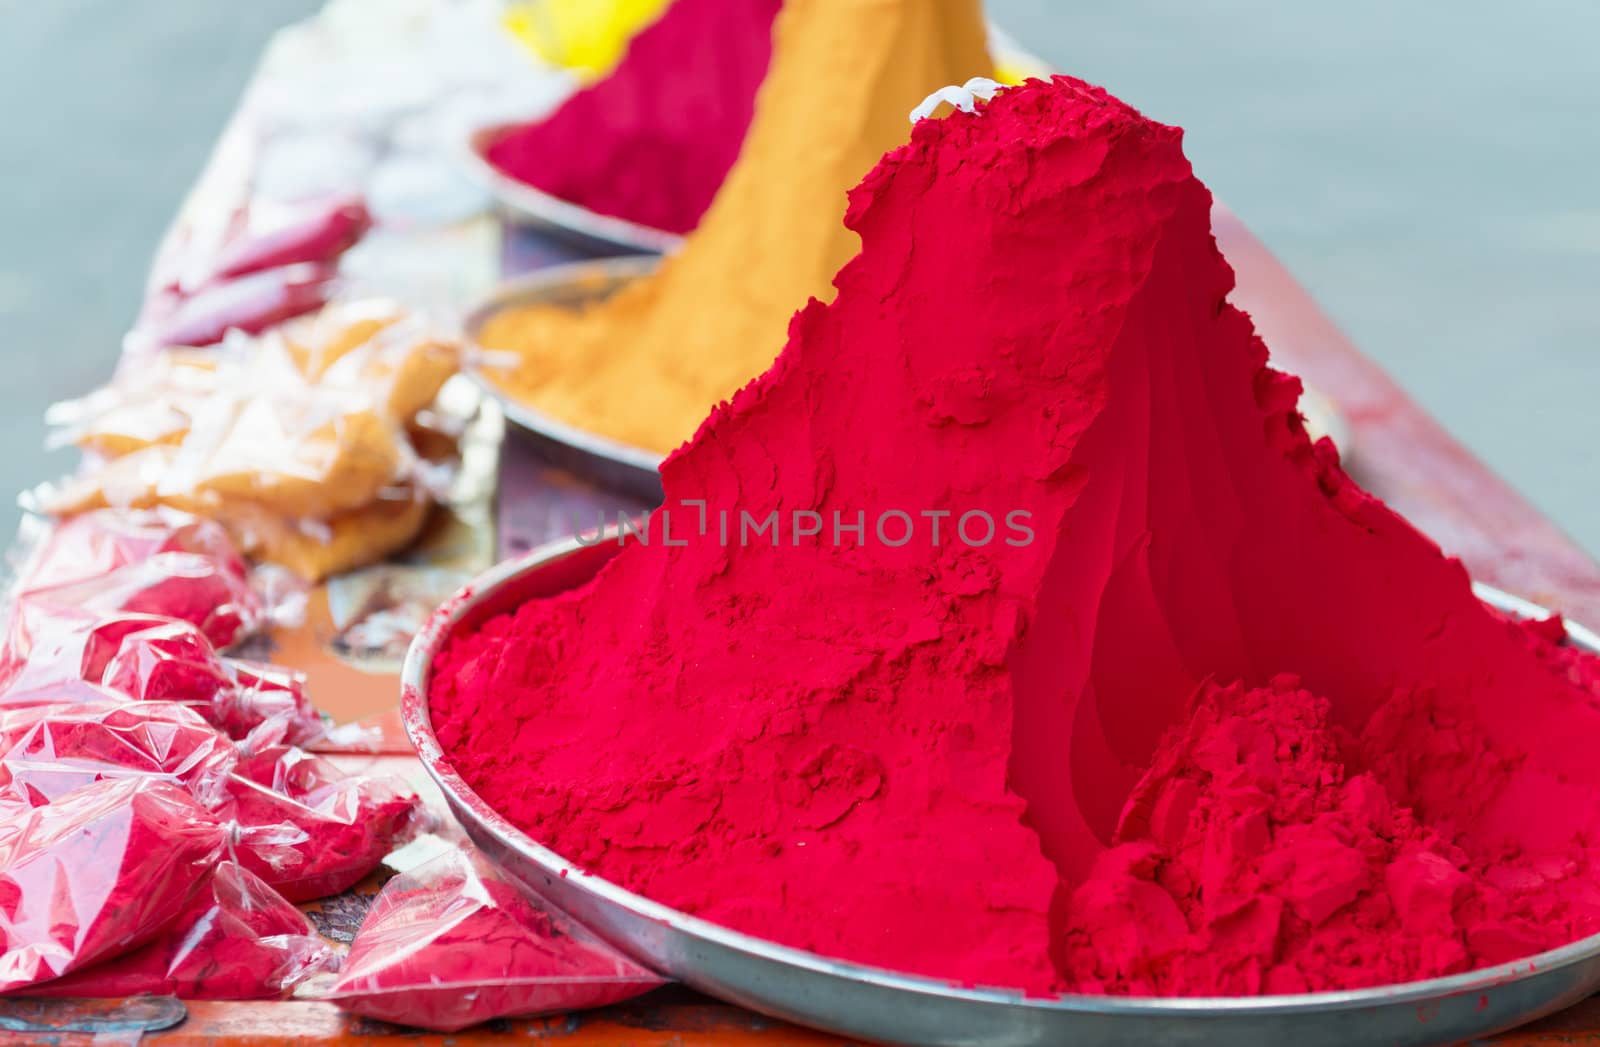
(645, 366)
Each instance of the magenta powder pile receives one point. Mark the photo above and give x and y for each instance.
(1219, 723)
(652, 142)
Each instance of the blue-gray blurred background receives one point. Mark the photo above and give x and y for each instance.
(1429, 170)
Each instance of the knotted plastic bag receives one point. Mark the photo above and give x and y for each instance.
(49, 751)
(155, 562)
(307, 828)
(237, 940)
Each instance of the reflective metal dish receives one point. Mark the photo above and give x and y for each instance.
(855, 1000)
(607, 462)
(522, 204)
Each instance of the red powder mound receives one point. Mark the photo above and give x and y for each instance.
(917, 755)
(1254, 857)
(652, 142)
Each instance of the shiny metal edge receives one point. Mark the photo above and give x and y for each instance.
(619, 466)
(858, 1000)
(522, 204)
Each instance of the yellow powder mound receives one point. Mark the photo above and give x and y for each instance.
(645, 366)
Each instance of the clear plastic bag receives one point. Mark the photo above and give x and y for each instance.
(297, 441)
(268, 705)
(61, 655)
(250, 303)
(98, 871)
(49, 751)
(96, 545)
(318, 232)
(238, 939)
(454, 942)
(308, 829)
(75, 657)
(156, 562)
(172, 661)
(254, 238)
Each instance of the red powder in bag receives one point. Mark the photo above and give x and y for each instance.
(97, 872)
(652, 142)
(454, 943)
(319, 232)
(238, 939)
(822, 736)
(308, 829)
(97, 544)
(78, 657)
(66, 649)
(169, 660)
(157, 562)
(49, 751)
(250, 303)
(266, 702)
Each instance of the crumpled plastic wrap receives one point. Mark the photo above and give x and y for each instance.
(238, 939)
(95, 872)
(77, 656)
(296, 441)
(146, 779)
(49, 751)
(306, 828)
(156, 562)
(454, 942)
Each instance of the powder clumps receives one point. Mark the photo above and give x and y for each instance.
(966, 758)
(652, 142)
(644, 366)
(1253, 857)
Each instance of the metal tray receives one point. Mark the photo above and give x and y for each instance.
(522, 204)
(855, 1000)
(618, 466)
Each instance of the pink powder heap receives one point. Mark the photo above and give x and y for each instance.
(917, 752)
(1254, 857)
(652, 142)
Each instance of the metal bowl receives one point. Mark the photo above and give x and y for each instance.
(856, 1000)
(522, 204)
(618, 466)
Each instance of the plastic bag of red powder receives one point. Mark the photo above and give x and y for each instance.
(268, 705)
(238, 939)
(250, 302)
(96, 872)
(307, 828)
(454, 943)
(49, 751)
(156, 562)
(68, 650)
(151, 659)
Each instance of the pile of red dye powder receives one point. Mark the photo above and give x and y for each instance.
(652, 142)
(1225, 724)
